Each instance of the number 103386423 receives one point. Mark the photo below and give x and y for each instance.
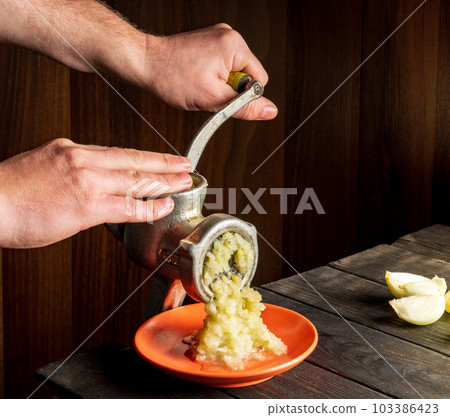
(408, 408)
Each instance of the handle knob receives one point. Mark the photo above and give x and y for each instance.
(239, 80)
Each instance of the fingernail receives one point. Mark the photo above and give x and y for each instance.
(269, 112)
(184, 162)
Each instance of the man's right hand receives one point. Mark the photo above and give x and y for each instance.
(190, 70)
(53, 192)
(187, 70)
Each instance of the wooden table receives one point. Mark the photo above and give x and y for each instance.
(364, 350)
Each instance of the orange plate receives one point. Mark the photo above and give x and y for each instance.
(160, 342)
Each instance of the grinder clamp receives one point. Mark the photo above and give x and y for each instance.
(175, 246)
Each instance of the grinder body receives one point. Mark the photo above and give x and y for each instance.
(175, 246)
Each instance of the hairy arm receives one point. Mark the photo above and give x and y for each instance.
(187, 70)
(82, 34)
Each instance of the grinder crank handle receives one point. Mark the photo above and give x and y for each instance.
(251, 91)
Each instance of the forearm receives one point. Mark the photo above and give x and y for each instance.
(87, 36)
(5, 209)
(82, 34)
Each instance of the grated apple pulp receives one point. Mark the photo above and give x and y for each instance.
(233, 331)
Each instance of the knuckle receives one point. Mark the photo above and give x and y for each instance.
(223, 25)
(167, 161)
(160, 186)
(234, 37)
(127, 206)
(124, 207)
(134, 157)
(228, 36)
(84, 187)
(158, 179)
(141, 186)
(112, 148)
(71, 156)
(60, 143)
(135, 177)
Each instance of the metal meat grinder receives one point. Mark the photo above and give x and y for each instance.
(175, 246)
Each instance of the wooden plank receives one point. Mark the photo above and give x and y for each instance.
(2, 359)
(37, 284)
(306, 381)
(441, 174)
(436, 237)
(433, 241)
(373, 263)
(400, 369)
(114, 371)
(324, 47)
(361, 301)
(397, 122)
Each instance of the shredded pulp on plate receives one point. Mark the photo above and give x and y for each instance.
(233, 330)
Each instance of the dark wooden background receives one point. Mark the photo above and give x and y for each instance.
(376, 153)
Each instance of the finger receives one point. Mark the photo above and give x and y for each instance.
(134, 160)
(245, 61)
(92, 147)
(140, 184)
(255, 70)
(116, 209)
(259, 109)
(145, 161)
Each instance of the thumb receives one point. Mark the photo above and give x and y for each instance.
(259, 109)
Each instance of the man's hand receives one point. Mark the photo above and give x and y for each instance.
(190, 70)
(187, 70)
(55, 191)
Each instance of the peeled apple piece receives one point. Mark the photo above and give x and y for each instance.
(435, 286)
(419, 309)
(396, 281)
